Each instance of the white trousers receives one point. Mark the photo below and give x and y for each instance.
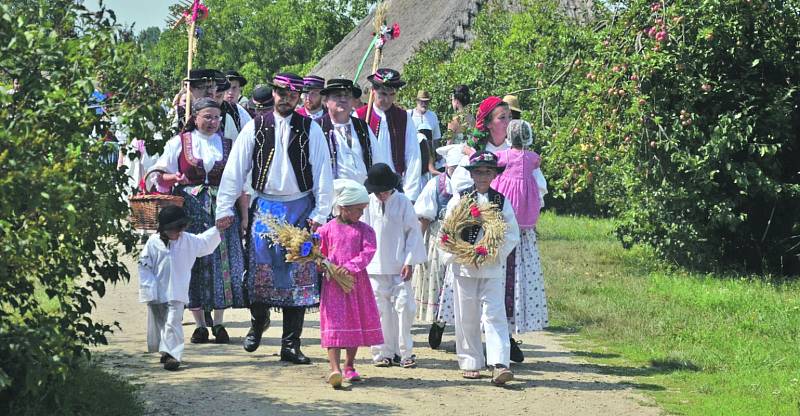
(480, 302)
(164, 329)
(395, 299)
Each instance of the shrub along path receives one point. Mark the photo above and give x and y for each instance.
(222, 379)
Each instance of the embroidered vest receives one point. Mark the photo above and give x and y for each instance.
(233, 110)
(470, 234)
(193, 167)
(298, 151)
(442, 195)
(362, 136)
(396, 123)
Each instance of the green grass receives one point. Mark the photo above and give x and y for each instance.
(718, 345)
(87, 390)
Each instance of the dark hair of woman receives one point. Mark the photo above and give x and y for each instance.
(461, 93)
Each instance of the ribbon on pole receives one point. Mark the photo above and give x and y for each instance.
(197, 12)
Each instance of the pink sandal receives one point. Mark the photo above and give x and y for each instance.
(350, 374)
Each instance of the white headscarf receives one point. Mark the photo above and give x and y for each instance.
(452, 154)
(348, 192)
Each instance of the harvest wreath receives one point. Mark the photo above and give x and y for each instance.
(468, 214)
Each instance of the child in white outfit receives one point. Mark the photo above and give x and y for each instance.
(400, 246)
(165, 268)
(479, 292)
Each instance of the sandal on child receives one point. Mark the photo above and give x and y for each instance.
(335, 379)
(350, 374)
(409, 362)
(471, 374)
(501, 375)
(383, 362)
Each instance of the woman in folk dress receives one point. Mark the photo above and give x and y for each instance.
(194, 161)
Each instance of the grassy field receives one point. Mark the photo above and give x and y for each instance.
(711, 345)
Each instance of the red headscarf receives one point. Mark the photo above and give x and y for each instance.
(484, 109)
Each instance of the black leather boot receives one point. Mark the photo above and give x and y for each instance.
(290, 341)
(516, 352)
(435, 335)
(258, 324)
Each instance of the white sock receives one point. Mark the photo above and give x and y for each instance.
(199, 318)
(218, 316)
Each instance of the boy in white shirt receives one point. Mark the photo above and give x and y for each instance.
(399, 247)
(479, 292)
(165, 268)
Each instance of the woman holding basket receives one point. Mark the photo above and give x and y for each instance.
(193, 162)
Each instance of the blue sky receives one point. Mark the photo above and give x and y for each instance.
(144, 13)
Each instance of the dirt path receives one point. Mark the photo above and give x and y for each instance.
(224, 379)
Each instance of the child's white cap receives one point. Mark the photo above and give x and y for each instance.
(348, 192)
(452, 154)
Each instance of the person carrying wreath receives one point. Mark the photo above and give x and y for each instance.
(193, 162)
(478, 289)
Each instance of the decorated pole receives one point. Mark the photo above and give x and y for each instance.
(383, 33)
(190, 55)
(196, 11)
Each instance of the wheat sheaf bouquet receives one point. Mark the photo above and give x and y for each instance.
(303, 247)
(469, 213)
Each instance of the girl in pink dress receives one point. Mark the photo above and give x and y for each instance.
(526, 303)
(348, 320)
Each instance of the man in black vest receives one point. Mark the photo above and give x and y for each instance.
(292, 181)
(350, 141)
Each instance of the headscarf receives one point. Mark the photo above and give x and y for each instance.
(484, 109)
(452, 154)
(519, 133)
(348, 192)
(204, 103)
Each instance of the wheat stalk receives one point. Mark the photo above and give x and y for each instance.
(293, 238)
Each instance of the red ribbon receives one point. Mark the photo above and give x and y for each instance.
(198, 11)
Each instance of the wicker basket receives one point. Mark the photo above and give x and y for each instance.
(146, 206)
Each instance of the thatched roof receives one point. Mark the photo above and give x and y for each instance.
(420, 21)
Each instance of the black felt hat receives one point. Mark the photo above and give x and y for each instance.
(202, 75)
(381, 178)
(235, 76)
(484, 159)
(338, 84)
(386, 77)
(172, 217)
(262, 98)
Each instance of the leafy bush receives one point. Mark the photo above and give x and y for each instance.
(681, 117)
(62, 228)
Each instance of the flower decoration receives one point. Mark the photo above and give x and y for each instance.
(445, 238)
(478, 140)
(474, 211)
(386, 34)
(305, 248)
(260, 228)
(277, 210)
(481, 251)
(196, 13)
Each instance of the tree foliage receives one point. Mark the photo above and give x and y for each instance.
(681, 118)
(257, 38)
(62, 221)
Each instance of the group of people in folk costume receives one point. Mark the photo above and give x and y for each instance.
(374, 185)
